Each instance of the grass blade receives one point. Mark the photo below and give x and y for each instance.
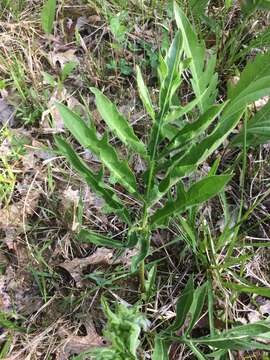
(48, 15)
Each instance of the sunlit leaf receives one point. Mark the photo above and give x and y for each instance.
(203, 76)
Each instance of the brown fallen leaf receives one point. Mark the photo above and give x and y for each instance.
(58, 124)
(13, 217)
(75, 267)
(62, 58)
(7, 112)
(75, 344)
(102, 255)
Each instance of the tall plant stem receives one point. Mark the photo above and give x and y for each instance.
(142, 278)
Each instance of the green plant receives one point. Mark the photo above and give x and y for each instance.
(48, 15)
(122, 330)
(187, 144)
(14, 7)
(68, 68)
(219, 343)
(249, 6)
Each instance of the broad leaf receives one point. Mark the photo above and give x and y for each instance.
(254, 83)
(183, 306)
(87, 137)
(203, 76)
(95, 183)
(258, 129)
(198, 193)
(117, 123)
(161, 349)
(197, 306)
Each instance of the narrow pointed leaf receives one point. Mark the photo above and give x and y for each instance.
(195, 350)
(195, 129)
(91, 178)
(262, 291)
(238, 338)
(197, 194)
(258, 129)
(175, 114)
(172, 60)
(202, 76)
(254, 83)
(48, 15)
(168, 85)
(144, 242)
(183, 306)
(144, 94)
(197, 306)
(161, 349)
(86, 136)
(117, 123)
(87, 236)
(198, 153)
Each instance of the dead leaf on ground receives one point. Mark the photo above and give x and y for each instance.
(261, 313)
(53, 124)
(63, 58)
(51, 120)
(258, 104)
(102, 255)
(70, 198)
(7, 112)
(14, 216)
(75, 344)
(69, 204)
(76, 266)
